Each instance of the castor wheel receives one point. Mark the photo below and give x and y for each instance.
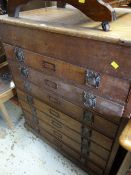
(105, 26)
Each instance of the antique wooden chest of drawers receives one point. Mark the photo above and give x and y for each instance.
(73, 81)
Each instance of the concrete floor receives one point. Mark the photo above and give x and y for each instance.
(22, 153)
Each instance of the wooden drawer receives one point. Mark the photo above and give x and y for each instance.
(66, 126)
(97, 160)
(57, 101)
(97, 170)
(104, 85)
(82, 97)
(56, 142)
(84, 51)
(87, 51)
(70, 153)
(76, 95)
(61, 120)
(63, 139)
(94, 121)
(75, 133)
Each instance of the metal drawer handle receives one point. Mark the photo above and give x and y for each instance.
(57, 135)
(57, 143)
(19, 54)
(56, 123)
(54, 113)
(54, 100)
(93, 78)
(51, 84)
(49, 66)
(89, 100)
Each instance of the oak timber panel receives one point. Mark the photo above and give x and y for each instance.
(99, 123)
(59, 144)
(94, 168)
(65, 149)
(95, 136)
(70, 92)
(110, 87)
(100, 151)
(95, 148)
(63, 139)
(58, 102)
(85, 52)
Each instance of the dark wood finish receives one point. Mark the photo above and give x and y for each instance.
(66, 151)
(110, 87)
(69, 92)
(89, 8)
(60, 49)
(89, 50)
(99, 162)
(58, 102)
(98, 122)
(96, 137)
(2, 54)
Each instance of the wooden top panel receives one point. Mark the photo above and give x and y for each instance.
(72, 22)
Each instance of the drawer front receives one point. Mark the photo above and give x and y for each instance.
(74, 125)
(55, 101)
(57, 143)
(83, 98)
(93, 121)
(97, 160)
(75, 133)
(67, 141)
(97, 55)
(102, 84)
(97, 170)
(63, 148)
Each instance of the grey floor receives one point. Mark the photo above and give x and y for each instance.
(22, 153)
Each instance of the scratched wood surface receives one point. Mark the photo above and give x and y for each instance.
(69, 36)
(73, 22)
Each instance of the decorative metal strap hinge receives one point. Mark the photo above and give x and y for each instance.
(24, 71)
(88, 118)
(27, 86)
(93, 78)
(85, 143)
(35, 120)
(89, 100)
(19, 54)
(30, 99)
